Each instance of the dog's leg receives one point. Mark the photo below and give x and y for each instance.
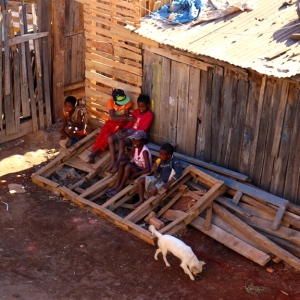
(164, 253)
(187, 271)
(156, 253)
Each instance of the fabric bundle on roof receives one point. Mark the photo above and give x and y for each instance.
(183, 11)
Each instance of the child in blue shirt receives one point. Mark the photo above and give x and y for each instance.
(165, 173)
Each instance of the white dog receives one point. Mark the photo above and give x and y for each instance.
(168, 243)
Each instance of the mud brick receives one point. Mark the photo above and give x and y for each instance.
(172, 215)
(158, 224)
(150, 215)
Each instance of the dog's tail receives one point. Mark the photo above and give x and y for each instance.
(153, 230)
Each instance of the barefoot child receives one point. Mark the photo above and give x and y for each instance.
(143, 120)
(118, 109)
(167, 171)
(73, 122)
(129, 170)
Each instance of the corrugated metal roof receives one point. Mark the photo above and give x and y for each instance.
(259, 39)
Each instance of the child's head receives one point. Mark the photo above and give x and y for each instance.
(143, 103)
(119, 97)
(139, 138)
(166, 151)
(69, 104)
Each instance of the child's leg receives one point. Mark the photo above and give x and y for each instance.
(141, 191)
(112, 149)
(122, 145)
(129, 169)
(92, 156)
(120, 175)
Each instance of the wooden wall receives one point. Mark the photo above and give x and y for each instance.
(113, 57)
(24, 84)
(245, 122)
(68, 53)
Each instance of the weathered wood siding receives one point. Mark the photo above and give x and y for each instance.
(68, 53)
(24, 85)
(249, 124)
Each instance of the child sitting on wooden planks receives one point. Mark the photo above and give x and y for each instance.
(73, 122)
(129, 170)
(143, 120)
(167, 171)
(118, 109)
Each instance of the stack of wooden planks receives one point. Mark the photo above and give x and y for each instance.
(252, 222)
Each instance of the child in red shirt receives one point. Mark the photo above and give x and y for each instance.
(143, 120)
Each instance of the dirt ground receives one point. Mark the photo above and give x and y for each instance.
(51, 249)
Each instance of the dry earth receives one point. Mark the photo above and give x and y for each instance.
(51, 249)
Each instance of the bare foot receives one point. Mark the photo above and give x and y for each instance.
(113, 170)
(91, 159)
(138, 203)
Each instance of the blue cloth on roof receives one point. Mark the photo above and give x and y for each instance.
(183, 10)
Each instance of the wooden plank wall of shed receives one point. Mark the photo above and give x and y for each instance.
(68, 53)
(247, 124)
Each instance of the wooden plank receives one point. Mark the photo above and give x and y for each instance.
(292, 179)
(58, 58)
(267, 163)
(229, 97)
(30, 81)
(216, 108)
(257, 125)
(237, 197)
(258, 238)
(46, 83)
(1, 77)
(226, 202)
(24, 81)
(238, 121)
(280, 118)
(173, 56)
(27, 37)
(281, 161)
(201, 116)
(156, 96)
(182, 136)
(113, 83)
(248, 135)
(38, 73)
(207, 223)
(8, 96)
(163, 102)
(232, 242)
(16, 87)
(112, 200)
(192, 107)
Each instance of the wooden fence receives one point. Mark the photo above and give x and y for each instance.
(24, 87)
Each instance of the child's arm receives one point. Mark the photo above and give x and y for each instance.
(147, 168)
(80, 119)
(178, 173)
(124, 117)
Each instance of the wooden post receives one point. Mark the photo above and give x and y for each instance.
(58, 58)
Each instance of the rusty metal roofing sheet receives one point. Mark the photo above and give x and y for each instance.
(259, 39)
